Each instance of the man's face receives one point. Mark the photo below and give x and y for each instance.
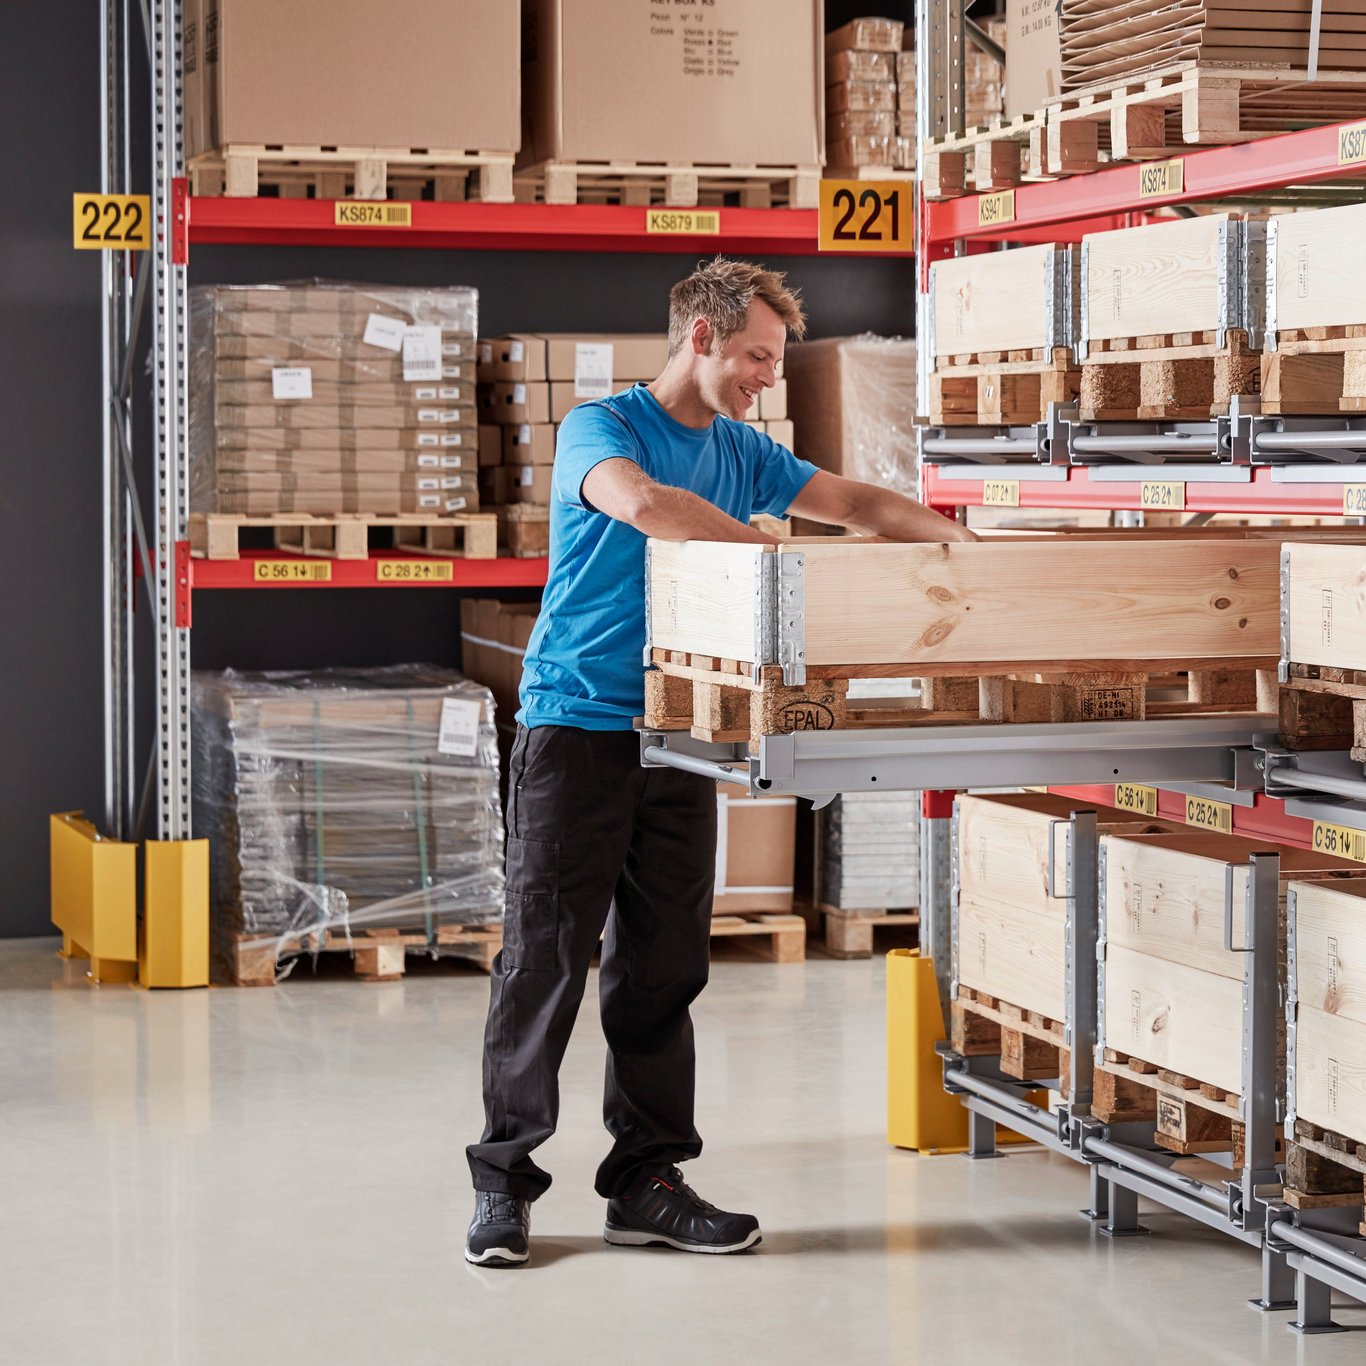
(731, 376)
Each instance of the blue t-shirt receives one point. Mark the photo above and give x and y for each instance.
(584, 660)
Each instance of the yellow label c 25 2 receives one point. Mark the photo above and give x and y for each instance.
(1209, 815)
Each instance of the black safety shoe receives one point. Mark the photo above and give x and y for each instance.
(498, 1231)
(664, 1209)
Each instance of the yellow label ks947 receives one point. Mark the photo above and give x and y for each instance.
(112, 222)
(1340, 840)
(292, 571)
(995, 208)
(1162, 494)
(700, 222)
(1351, 144)
(414, 571)
(1159, 178)
(354, 213)
(865, 215)
(1136, 797)
(1209, 815)
(1001, 493)
(1354, 500)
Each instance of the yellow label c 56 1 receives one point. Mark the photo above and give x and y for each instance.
(1340, 840)
(1136, 797)
(292, 571)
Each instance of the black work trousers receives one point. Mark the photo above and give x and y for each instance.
(591, 832)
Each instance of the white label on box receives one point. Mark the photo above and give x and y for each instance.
(485, 353)
(449, 393)
(526, 476)
(516, 351)
(452, 462)
(523, 437)
(428, 483)
(429, 462)
(451, 481)
(425, 393)
(429, 414)
(592, 369)
(455, 505)
(384, 332)
(518, 395)
(429, 438)
(292, 382)
(450, 372)
(452, 438)
(428, 500)
(450, 415)
(422, 353)
(453, 350)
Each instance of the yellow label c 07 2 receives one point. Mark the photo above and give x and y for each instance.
(1210, 815)
(292, 571)
(1001, 493)
(357, 213)
(700, 222)
(995, 208)
(1340, 840)
(1136, 797)
(111, 222)
(414, 571)
(1162, 494)
(1351, 144)
(1158, 178)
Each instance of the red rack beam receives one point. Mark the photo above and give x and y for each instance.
(466, 574)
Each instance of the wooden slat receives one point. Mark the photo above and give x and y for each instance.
(1318, 281)
(1325, 605)
(995, 302)
(1330, 950)
(1013, 951)
(702, 597)
(1330, 1070)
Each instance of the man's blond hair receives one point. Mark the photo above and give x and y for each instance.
(721, 291)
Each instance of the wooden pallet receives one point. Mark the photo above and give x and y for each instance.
(995, 388)
(1030, 1045)
(1324, 1170)
(1316, 370)
(677, 186)
(365, 173)
(849, 933)
(1183, 376)
(348, 536)
(377, 955)
(524, 529)
(1160, 113)
(777, 938)
(1324, 708)
(995, 156)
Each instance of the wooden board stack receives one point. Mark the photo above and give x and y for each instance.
(863, 98)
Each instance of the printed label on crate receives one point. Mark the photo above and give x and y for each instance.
(1136, 797)
(1159, 178)
(485, 354)
(425, 393)
(459, 734)
(292, 571)
(1351, 144)
(1209, 815)
(426, 484)
(516, 352)
(456, 504)
(1163, 494)
(450, 415)
(526, 476)
(453, 350)
(422, 354)
(414, 571)
(518, 395)
(452, 438)
(452, 462)
(450, 371)
(1001, 493)
(1354, 500)
(428, 462)
(592, 369)
(1340, 840)
(523, 437)
(111, 222)
(294, 381)
(428, 438)
(995, 208)
(705, 222)
(383, 332)
(350, 213)
(429, 414)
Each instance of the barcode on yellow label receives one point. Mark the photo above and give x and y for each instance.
(1001, 493)
(1162, 494)
(705, 222)
(1354, 500)
(1209, 815)
(995, 208)
(352, 213)
(1351, 143)
(292, 571)
(1161, 178)
(1136, 797)
(414, 571)
(1340, 840)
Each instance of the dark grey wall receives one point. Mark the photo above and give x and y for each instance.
(50, 720)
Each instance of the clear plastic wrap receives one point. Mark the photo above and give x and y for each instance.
(852, 404)
(868, 851)
(324, 397)
(347, 800)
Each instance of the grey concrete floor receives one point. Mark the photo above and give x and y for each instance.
(261, 1176)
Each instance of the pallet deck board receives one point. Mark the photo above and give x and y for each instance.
(347, 536)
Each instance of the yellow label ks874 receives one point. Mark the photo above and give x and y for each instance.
(1351, 144)
(1158, 178)
(355, 213)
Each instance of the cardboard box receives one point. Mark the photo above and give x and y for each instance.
(755, 851)
(337, 462)
(512, 402)
(564, 396)
(1033, 55)
(490, 445)
(773, 402)
(494, 484)
(457, 349)
(861, 96)
(529, 484)
(866, 35)
(337, 439)
(345, 393)
(518, 356)
(872, 123)
(379, 369)
(410, 73)
(858, 151)
(605, 80)
(341, 416)
(851, 64)
(529, 444)
(585, 356)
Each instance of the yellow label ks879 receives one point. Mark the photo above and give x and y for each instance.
(701, 222)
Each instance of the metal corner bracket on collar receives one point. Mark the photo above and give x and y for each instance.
(789, 614)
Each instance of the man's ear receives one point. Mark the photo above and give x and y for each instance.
(701, 337)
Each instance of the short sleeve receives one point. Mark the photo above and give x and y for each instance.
(778, 475)
(589, 434)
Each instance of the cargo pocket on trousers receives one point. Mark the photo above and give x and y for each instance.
(531, 920)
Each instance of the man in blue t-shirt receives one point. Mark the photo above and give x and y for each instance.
(589, 830)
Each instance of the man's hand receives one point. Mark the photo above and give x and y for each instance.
(873, 511)
(621, 489)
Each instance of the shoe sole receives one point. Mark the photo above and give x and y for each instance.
(496, 1256)
(630, 1237)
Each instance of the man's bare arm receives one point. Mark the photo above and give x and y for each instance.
(873, 511)
(621, 489)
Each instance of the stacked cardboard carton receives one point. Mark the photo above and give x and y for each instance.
(863, 96)
(325, 398)
(770, 414)
(755, 852)
(905, 97)
(868, 852)
(529, 381)
(984, 92)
